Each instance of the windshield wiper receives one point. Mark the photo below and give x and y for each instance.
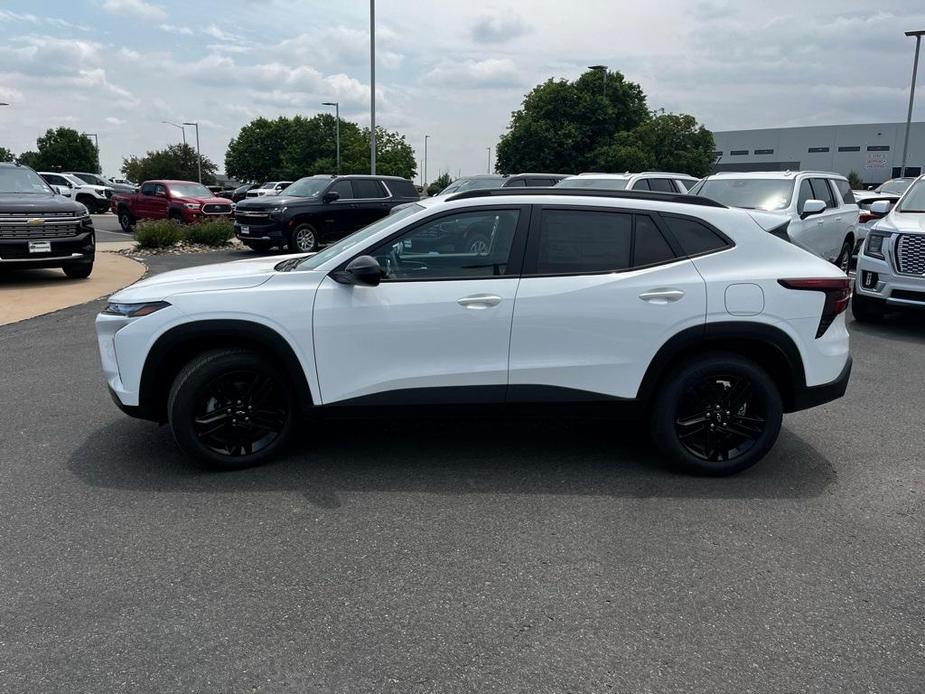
(289, 264)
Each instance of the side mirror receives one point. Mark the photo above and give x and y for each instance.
(160, 194)
(331, 196)
(363, 270)
(880, 208)
(811, 207)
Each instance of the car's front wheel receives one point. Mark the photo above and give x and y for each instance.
(231, 409)
(78, 272)
(304, 239)
(717, 415)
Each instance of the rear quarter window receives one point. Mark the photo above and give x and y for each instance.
(402, 188)
(695, 238)
(846, 193)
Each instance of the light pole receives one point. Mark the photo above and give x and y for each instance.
(176, 125)
(96, 139)
(489, 158)
(603, 69)
(336, 105)
(372, 86)
(915, 66)
(426, 138)
(198, 156)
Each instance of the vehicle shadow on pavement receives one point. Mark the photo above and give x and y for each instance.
(907, 326)
(447, 457)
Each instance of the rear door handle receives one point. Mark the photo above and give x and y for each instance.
(662, 296)
(478, 302)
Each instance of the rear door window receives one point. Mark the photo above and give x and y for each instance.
(516, 183)
(661, 185)
(368, 188)
(641, 184)
(845, 189)
(582, 241)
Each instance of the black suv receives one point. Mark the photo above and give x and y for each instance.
(317, 210)
(41, 229)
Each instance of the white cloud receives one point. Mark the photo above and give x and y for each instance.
(134, 8)
(498, 28)
(491, 72)
(114, 122)
(173, 29)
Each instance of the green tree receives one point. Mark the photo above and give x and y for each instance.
(176, 162)
(6, 155)
(441, 182)
(289, 148)
(62, 149)
(600, 122)
(855, 181)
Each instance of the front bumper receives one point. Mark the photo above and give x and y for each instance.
(266, 230)
(877, 279)
(68, 250)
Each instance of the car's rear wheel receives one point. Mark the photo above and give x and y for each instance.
(78, 272)
(126, 221)
(843, 261)
(866, 309)
(304, 239)
(231, 409)
(717, 415)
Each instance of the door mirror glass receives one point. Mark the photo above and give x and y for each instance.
(331, 196)
(880, 208)
(811, 207)
(363, 270)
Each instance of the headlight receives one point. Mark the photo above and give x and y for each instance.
(874, 245)
(192, 205)
(134, 310)
(276, 212)
(82, 210)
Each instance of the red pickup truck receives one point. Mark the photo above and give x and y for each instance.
(185, 201)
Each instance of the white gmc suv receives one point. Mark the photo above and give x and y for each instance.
(675, 308)
(891, 265)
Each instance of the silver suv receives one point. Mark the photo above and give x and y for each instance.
(817, 209)
(891, 265)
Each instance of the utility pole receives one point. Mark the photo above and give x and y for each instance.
(489, 158)
(372, 86)
(198, 155)
(336, 105)
(915, 68)
(426, 138)
(96, 140)
(176, 125)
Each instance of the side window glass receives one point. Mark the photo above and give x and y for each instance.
(806, 193)
(516, 183)
(540, 182)
(693, 236)
(344, 189)
(661, 185)
(579, 241)
(641, 184)
(147, 189)
(650, 246)
(847, 194)
(822, 191)
(160, 189)
(468, 245)
(366, 188)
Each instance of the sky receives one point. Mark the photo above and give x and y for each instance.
(451, 70)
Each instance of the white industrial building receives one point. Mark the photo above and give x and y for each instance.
(873, 150)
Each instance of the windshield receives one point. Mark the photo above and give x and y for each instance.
(22, 180)
(73, 179)
(897, 186)
(90, 178)
(356, 238)
(914, 199)
(748, 193)
(307, 187)
(481, 183)
(595, 183)
(189, 190)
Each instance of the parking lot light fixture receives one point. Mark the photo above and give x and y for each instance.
(198, 155)
(336, 105)
(603, 69)
(915, 67)
(176, 125)
(96, 140)
(424, 182)
(372, 87)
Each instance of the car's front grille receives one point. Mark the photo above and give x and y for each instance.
(13, 230)
(910, 254)
(36, 215)
(216, 208)
(907, 295)
(248, 217)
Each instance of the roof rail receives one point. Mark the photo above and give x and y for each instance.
(588, 193)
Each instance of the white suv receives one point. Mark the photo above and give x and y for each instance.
(657, 181)
(891, 265)
(816, 209)
(94, 198)
(675, 308)
(269, 188)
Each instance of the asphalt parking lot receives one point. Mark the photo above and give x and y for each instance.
(108, 229)
(489, 556)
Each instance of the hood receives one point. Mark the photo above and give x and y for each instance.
(903, 222)
(238, 274)
(768, 220)
(14, 203)
(268, 202)
(93, 186)
(205, 200)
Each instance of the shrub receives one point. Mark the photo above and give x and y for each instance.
(216, 232)
(158, 233)
(855, 181)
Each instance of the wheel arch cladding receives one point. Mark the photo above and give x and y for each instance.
(769, 347)
(177, 346)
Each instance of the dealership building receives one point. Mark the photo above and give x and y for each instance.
(873, 150)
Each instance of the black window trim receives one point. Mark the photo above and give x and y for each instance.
(518, 245)
(676, 245)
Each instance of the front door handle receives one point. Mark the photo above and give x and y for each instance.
(662, 296)
(479, 302)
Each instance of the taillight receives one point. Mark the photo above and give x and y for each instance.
(837, 293)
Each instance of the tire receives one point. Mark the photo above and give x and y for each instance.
(209, 399)
(102, 206)
(866, 309)
(843, 261)
(304, 239)
(126, 221)
(732, 396)
(176, 216)
(78, 272)
(478, 244)
(258, 246)
(88, 202)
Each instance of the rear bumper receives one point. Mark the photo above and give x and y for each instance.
(813, 396)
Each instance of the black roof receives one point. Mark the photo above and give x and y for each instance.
(589, 192)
